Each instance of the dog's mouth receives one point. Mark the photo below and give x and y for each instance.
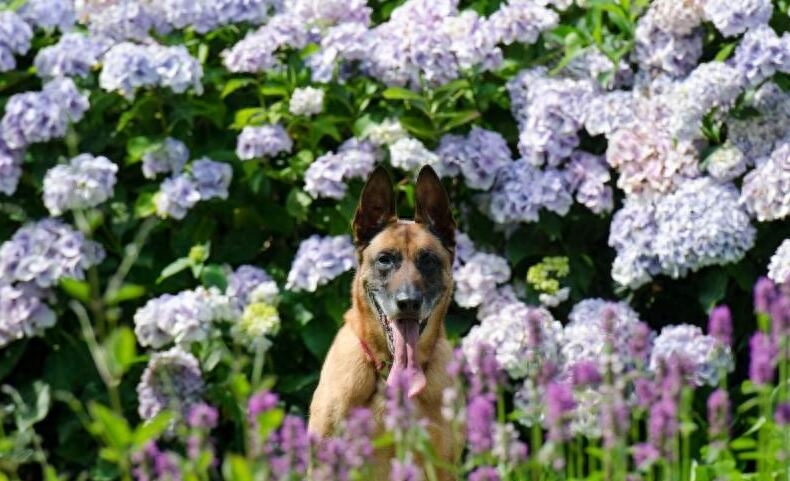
(402, 336)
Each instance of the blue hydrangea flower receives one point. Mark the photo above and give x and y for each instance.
(263, 141)
(319, 260)
(330, 12)
(760, 54)
(10, 169)
(410, 154)
(342, 43)
(183, 318)
(170, 156)
(176, 196)
(766, 189)
(659, 51)
(522, 21)
(86, 181)
(171, 381)
(251, 284)
(631, 234)
(74, 55)
(478, 157)
(328, 174)
(521, 190)
(212, 178)
(49, 14)
(734, 18)
(476, 280)
(15, 34)
(127, 20)
(40, 253)
(33, 117)
(128, 66)
(257, 51)
(22, 314)
(706, 355)
(610, 111)
(757, 136)
(779, 267)
(588, 175)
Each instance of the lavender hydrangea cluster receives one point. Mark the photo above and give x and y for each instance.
(10, 169)
(205, 15)
(86, 181)
(666, 236)
(33, 117)
(74, 55)
(22, 314)
(779, 267)
(478, 156)
(477, 277)
(588, 175)
(706, 355)
(521, 190)
(521, 21)
(757, 136)
(674, 52)
(734, 18)
(49, 14)
(602, 332)
(128, 66)
(166, 157)
(42, 252)
(257, 52)
(263, 141)
(410, 154)
(760, 54)
(206, 179)
(128, 20)
(328, 174)
(15, 37)
(182, 318)
(172, 380)
(251, 284)
(306, 101)
(765, 192)
(550, 111)
(319, 260)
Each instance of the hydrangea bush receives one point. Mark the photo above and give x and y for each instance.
(177, 181)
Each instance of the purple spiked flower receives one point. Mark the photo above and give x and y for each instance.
(480, 418)
(203, 416)
(718, 414)
(782, 414)
(585, 373)
(764, 294)
(259, 403)
(559, 404)
(484, 473)
(720, 324)
(762, 359)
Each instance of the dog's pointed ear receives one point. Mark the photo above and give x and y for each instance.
(376, 208)
(432, 206)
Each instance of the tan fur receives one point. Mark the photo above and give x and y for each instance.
(349, 379)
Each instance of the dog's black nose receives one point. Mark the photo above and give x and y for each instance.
(408, 302)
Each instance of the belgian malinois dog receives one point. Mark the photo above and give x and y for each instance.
(400, 295)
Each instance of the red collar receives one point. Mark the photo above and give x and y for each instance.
(380, 365)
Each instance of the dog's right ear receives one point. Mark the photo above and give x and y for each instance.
(376, 208)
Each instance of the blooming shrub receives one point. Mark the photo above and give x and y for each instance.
(177, 181)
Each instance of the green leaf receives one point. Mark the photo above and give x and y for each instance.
(248, 116)
(235, 84)
(298, 204)
(174, 268)
(114, 427)
(136, 147)
(10, 355)
(460, 118)
(127, 292)
(741, 444)
(713, 288)
(151, 429)
(144, 205)
(121, 348)
(400, 93)
(236, 468)
(725, 51)
(213, 275)
(79, 290)
(268, 421)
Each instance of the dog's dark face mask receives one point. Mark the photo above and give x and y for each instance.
(405, 266)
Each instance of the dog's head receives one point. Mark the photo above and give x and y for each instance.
(404, 279)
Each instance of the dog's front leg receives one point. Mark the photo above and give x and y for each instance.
(347, 381)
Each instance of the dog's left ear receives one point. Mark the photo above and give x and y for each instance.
(376, 208)
(432, 206)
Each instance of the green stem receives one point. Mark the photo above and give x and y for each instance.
(131, 254)
(96, 303)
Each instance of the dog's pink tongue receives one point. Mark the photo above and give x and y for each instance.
(405, 336)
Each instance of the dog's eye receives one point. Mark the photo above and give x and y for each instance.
(428, 262)
(385, 260)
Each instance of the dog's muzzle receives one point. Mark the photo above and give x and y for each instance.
(386, 325)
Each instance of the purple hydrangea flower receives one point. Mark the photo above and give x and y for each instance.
(176, 196)
(74, 55)
(250, 284)
(319, 260)
(128, 20)
(169, 156)
(182, 318)
(10, 169)
(522, 21)
(212, 178)
(42, 252)
(172, 380)
(759, 135)
(760, 54)
(328, 174)
(477, 279)
(33, 117)
(15, 36)
(521, 190)
(86, 181)
(734, 18)
(705, 355)
(762, 360)
(659, 51)
(257, 51)
(264, 141)
(49, 14)
(588, 175)
(764, 192)
(129, 66)
(478, 156)
(22, 314)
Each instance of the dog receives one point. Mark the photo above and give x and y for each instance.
(400, 294)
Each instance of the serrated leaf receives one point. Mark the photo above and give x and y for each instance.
(136, 147)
